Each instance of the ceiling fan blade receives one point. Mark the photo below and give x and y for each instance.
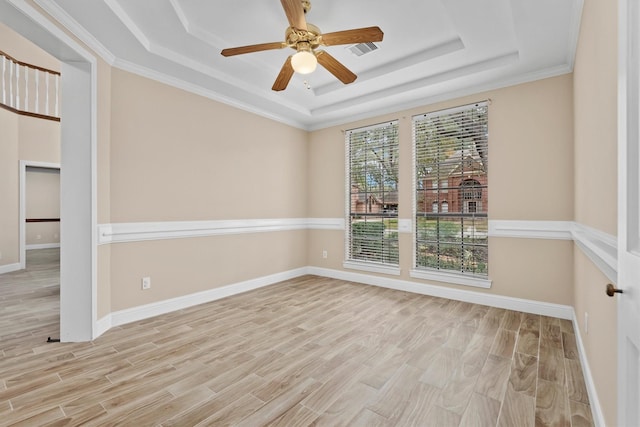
(285, 75)
(359, 35)
(295, 13)
(335, 67)
(252, 48)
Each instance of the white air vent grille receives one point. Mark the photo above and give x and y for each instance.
(363, 48)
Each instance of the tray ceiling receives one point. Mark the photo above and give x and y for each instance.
(432, 49)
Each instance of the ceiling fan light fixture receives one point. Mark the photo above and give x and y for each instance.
(304, 62)
(305, 38)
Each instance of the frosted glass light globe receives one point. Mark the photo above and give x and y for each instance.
(304, 62)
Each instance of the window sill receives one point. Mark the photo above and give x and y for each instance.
(457, 279)
(372, 267)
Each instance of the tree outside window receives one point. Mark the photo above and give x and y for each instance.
(372, 217)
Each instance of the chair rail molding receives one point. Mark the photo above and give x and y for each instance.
(140, 231)
(599, 246)
(530, 229)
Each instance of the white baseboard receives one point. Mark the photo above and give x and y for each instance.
(146, 311)
(42, 246)
(511, 303)
(9, 268)
(129, 315)
(102, 326)
(596, 410)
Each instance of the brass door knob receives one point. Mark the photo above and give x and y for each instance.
(612, 290)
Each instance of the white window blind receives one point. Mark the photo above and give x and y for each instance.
(372, 194)
(451, 153)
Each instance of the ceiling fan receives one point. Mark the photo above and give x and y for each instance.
(305, 38)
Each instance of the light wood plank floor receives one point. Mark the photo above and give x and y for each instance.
(309, 351)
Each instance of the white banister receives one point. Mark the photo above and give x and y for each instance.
(4, 78)
(37, 78)
(57, 93)
(26, 88)
(11, 100)
(46, 100)
(16, 93)
(17, 87)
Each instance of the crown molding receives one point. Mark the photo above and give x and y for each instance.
(61, 15)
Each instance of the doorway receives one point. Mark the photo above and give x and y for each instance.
(78, 202)
(39, 207)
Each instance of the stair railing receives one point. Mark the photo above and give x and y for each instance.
(28, 89)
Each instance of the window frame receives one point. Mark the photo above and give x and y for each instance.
(349, 261)
(441, 275)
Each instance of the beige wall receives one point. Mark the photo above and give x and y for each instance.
(175, 156)
(530, 178)
(39, 139)
(179, 156)
(42, 201)
(595, 99)
(23, 50)
(9, 173)
(600, 342)
(184, 266)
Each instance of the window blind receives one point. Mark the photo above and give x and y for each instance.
(451, 157)
(372, 193)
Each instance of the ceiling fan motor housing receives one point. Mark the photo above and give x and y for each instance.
(312, 35)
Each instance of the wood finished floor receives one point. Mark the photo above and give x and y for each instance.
(309, 351)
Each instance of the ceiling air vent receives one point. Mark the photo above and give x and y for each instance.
(362, 48)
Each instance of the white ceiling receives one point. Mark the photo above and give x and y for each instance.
(432, 49)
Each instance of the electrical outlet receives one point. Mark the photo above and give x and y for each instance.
(146, 283)
(38, 236)
(324, 254)
(586, 323)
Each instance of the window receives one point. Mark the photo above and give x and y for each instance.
(471, 193)
(470, 207)
(451, 150)
(372, 188)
